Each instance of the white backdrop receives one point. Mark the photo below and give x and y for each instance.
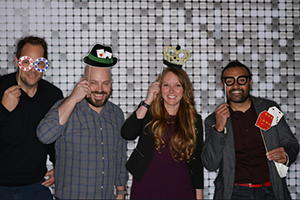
(263, 34)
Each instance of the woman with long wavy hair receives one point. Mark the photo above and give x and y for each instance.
(166, 163)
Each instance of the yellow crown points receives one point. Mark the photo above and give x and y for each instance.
(175, 57)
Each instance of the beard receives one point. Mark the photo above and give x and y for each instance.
(242, 99)
(99, 103)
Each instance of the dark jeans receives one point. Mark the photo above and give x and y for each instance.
(33, 191)
(242, 192)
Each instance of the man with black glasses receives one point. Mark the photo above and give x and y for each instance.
(252, 162)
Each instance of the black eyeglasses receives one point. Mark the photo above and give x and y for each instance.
(230, 80)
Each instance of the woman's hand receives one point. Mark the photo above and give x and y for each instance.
(153, 91)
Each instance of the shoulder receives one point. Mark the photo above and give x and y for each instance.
(8, 78)
(44, 83)
(48, 92)
(198, 117)
(49, 87)
(263, 101)
(113, 107)
(198, 120)
(7, 81)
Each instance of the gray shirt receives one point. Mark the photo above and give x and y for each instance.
(90, 152)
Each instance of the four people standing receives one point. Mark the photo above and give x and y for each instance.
(91, 154)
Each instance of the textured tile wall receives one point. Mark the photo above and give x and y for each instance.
(263, 34)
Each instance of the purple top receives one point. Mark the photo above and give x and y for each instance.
(164, 178)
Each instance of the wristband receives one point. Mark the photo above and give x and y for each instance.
(121, 192)
(144, 104)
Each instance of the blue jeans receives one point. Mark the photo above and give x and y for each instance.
(33, 191)
(242, 192)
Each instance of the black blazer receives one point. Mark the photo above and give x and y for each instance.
(143, 153)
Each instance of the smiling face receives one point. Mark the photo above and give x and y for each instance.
(100, 84)
(171, 92)
(29, 79)
(237, 93)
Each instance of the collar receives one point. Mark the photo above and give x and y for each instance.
(238, 113)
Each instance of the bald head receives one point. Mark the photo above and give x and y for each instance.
(90, 69)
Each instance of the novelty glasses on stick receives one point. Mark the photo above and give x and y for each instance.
(229, 81)
(26, 63)
(241, 80)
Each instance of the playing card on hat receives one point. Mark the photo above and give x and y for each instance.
(277, 114)
(100, 53)
(264, 120)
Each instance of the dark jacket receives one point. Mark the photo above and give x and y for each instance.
(143, 153)
(219, 153)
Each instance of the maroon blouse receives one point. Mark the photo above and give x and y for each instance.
(164, 178)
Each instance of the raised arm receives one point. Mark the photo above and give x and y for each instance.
(134, 124)
(81, 90)
(212, 152)
(51, 127)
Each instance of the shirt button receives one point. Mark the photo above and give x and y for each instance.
(102, 158)
(101, 187)
(101, 129)
(246, 130)
(102, 143)
(102, 172)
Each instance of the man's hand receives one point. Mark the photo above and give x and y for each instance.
(50, 180)
(121, 196)
(222, 113)
(81, 90)
(11, 97)
(278, 155)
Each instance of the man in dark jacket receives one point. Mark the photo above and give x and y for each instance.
(244, 154)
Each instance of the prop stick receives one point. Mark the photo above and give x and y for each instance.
(264, 121)
(89, 73)
(225, 97)
(262, 135)
(19, 76)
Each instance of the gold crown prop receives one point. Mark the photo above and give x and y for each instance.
(175, 57)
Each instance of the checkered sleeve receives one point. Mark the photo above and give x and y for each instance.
(49, 128)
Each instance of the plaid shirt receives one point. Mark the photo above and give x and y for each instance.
(90, 152)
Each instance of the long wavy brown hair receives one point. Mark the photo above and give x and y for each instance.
(183, 140)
